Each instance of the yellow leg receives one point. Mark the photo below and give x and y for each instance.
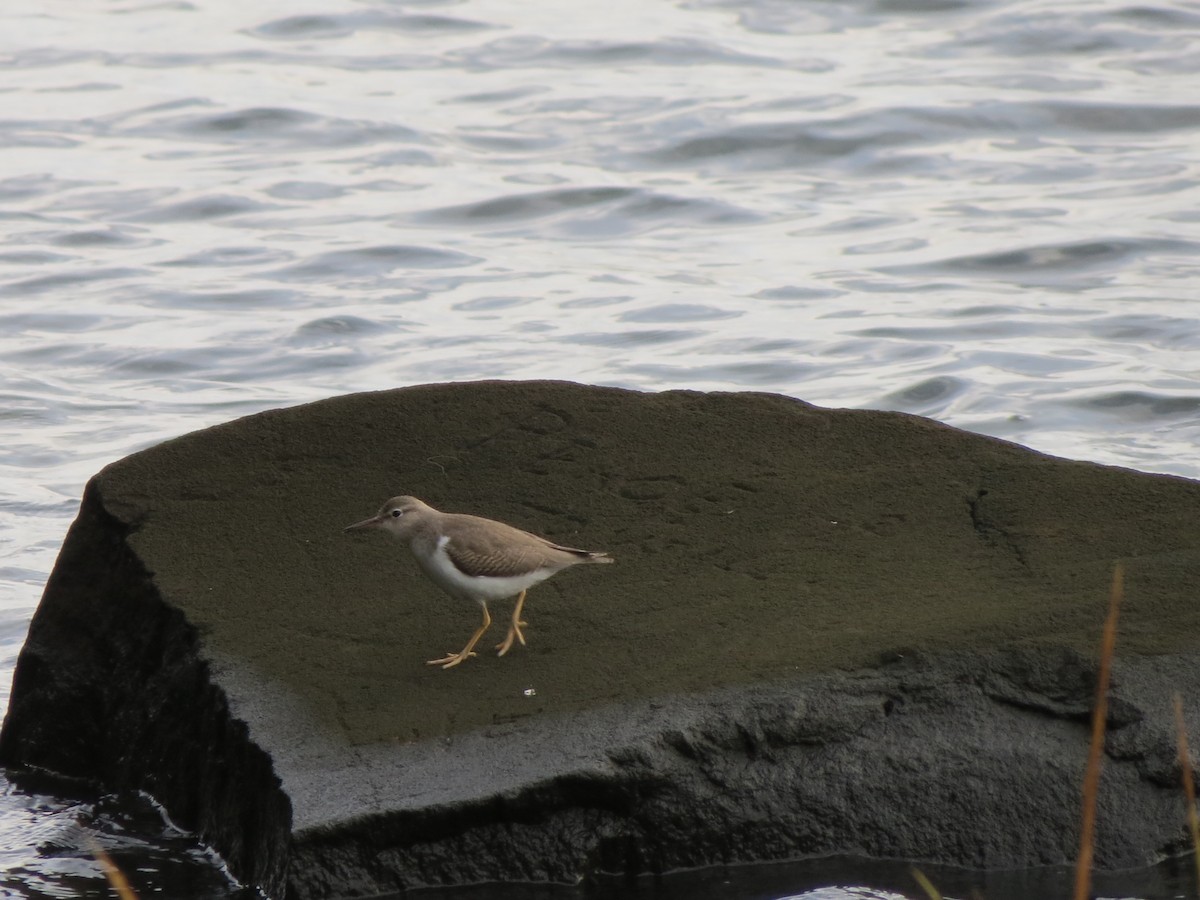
(453, 659)
(514, 630)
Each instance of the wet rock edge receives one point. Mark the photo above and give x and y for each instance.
(110, 687)
(970, 759)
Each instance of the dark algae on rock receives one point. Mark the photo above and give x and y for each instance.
(111, 686)
(829, 631)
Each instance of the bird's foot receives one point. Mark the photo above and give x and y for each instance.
(450, 660)
(514, 631)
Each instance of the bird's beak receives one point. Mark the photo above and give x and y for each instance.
(373, 522)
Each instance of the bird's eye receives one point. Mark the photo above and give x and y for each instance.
(397, 513)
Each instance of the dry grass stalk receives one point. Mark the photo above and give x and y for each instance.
(115, 876)
(1091, 778)
(925, 883)
(1189, 786)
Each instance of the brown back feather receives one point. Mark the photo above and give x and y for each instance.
(485, 547)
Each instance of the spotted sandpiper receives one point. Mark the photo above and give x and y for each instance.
(476, 559)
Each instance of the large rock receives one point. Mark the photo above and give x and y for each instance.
(827, 631)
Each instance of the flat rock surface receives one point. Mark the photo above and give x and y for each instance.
(762, 545)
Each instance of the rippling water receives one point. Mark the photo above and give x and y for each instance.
(982, 212)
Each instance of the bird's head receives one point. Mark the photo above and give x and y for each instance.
(398, 516)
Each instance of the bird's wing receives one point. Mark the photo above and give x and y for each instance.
(480, 548)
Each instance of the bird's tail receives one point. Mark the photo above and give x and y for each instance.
(587, 556)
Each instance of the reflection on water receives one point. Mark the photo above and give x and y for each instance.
(50, 827)
(983, 213)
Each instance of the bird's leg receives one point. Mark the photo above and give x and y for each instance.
(514, 630)
(453, 659)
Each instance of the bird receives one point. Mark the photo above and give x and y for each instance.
(478, 559)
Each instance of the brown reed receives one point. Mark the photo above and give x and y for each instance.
(925, 883)
(1189, 786)
(116, 878)
(1091, 778)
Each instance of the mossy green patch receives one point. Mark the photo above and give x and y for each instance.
(756, 537)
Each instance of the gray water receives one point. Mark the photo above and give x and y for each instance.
(983, 212)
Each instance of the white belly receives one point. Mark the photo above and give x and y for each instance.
(481, 589)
